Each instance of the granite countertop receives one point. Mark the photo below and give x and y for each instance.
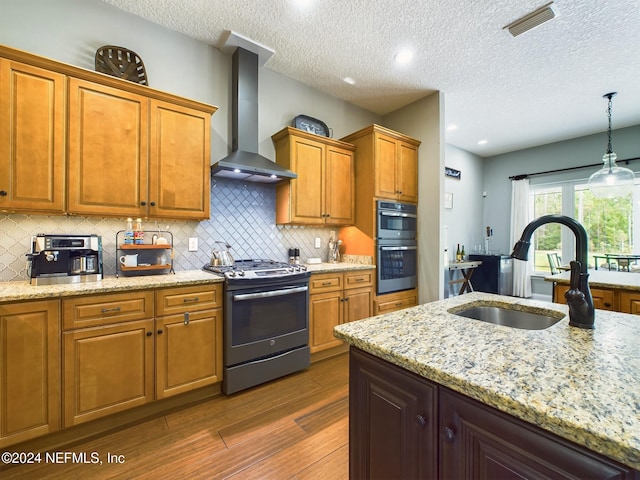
(20, 291)
(603, 278)
(581, 385)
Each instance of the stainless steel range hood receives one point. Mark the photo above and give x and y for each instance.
(245, 163)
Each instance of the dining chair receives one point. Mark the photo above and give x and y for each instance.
(554, 262)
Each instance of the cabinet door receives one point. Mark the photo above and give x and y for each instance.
(188, 351)
(179, 173)
(325, 312)
(307, 191)
(108, 156)
(30, 370)
(603, 299)
(392, 421)
(358, 304)
(107, 370)
(385, 167)
(32, 138)
(481, 442)
(407, 172)
(339, 197)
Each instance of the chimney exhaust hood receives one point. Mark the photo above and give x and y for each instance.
(244, 162)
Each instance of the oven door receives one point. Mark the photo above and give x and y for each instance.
(398, 225)
(264, 321)
(396, 267)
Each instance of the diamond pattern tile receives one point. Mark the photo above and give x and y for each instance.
(242, 214)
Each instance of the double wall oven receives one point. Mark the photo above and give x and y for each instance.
(266, 322)
(396, 246)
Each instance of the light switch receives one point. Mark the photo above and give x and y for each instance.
(193, 244)
(317, 242)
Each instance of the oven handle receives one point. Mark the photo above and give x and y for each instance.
(398, 248)
(398, 214)
(272, 293)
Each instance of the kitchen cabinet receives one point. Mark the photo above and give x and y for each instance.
(392, 421)
(127, 349)
(30, 370)
(630, 302)
(386, 166)
(32, 138)
(336, 298)
(392, 302)
(108, 354)
(189, 339)
(603, 298)
(132, 151)
(323, 192)
(402, 425)
(132, 156)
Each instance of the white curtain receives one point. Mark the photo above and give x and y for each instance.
(520, 218)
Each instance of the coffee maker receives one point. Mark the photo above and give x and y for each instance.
(61, 259)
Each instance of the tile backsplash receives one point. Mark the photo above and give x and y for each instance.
(242, 214)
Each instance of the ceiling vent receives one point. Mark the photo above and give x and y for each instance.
(532, 20)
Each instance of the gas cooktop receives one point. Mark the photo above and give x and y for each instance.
(256, 269)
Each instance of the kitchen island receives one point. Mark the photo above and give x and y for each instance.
(578, 385)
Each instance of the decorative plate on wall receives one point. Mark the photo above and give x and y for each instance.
(122, 63)
(312, 125)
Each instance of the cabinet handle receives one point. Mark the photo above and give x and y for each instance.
(186, 318)
(607, 304)
(188, 300)
(160, 332)
(449, 434)
(143, 203)
(149, 334)
(421, 421)
(326, 284)
(359, 279)
(3, 193)
(109, 310)
(399, 304)
(153, 204)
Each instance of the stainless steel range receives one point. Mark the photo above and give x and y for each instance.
(266, 321)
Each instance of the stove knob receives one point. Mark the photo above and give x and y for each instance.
(231, 273)
(241, 273)
(303, 268)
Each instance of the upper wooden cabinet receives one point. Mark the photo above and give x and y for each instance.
(386, 165)
(133, 151)
(32, 138)
(323, 193)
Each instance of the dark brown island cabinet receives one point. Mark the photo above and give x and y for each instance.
(402, 426)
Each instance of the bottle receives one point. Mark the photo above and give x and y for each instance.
(462, 254)
(128, 233)
(296, 256)
(458, 254)
(138, 233)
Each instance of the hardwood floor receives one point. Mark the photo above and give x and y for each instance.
(293, 428)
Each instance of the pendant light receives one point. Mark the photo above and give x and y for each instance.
(611, 181)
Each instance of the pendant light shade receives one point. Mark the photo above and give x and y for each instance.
(611, 181)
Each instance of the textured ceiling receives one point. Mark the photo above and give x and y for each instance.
(543, 86)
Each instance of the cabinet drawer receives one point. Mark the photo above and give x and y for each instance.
(325, 282)
(95, 310)
(630, 302)
(188, 299)
(395, 301)
(358, 279)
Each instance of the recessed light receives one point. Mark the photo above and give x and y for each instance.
(482, 142)
(403, 57)
(349, 80)
(452, 127)
(236, 170)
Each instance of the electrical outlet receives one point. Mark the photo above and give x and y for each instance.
(193, 244)
(317, 242)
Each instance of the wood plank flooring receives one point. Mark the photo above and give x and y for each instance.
(293, 428)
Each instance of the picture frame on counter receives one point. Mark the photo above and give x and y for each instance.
(448, 200)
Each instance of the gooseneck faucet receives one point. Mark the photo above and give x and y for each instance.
(581, 309)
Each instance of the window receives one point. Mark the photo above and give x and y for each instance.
(609, 223)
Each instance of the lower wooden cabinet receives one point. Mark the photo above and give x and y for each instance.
(337, 298)
(630, 302)
(392, 421)
(617, 300)
(404, 426)
(127, 358)
(392, 302)
(29, 370)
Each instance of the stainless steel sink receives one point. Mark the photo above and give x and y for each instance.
(532, 319)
